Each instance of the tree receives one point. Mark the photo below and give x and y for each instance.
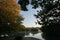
(10, 19)
(23, 4)
(34, 31)
(48, 17)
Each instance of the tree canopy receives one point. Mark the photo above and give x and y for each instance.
(10, 19)
(48, 17)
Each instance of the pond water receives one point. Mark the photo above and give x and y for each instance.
(38, 35)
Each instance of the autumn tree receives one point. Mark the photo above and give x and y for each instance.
(48, 17)
(10, 19)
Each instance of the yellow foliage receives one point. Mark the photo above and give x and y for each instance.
(9, 10)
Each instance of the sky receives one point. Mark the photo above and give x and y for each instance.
(29, 18)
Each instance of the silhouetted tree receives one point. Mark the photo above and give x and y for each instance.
(34, 31)
(48, 17)
(23, 4)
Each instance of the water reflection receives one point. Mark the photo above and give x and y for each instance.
(38, 35)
